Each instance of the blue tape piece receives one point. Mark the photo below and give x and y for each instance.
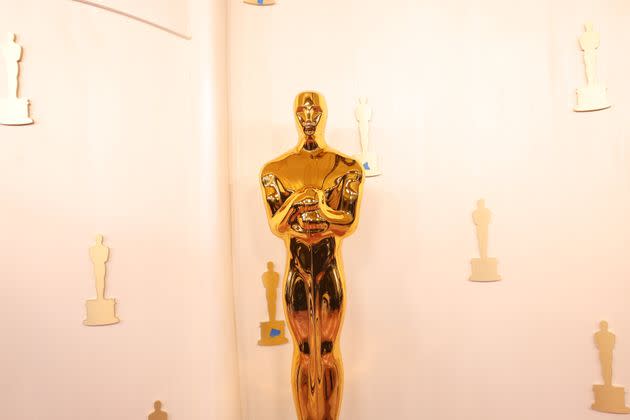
(274, 332)
(366, 166)
(261, 2)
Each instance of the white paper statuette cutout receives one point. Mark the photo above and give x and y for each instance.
(484, 268)
(368, 159)
(593, 96)
(13, 110)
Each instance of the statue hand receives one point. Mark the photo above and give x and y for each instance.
(306, 200)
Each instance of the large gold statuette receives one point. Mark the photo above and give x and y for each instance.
(312, 194)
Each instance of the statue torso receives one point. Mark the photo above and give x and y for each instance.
(303, 169)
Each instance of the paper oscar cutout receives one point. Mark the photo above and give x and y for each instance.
(368, 159)
(608, 398)
(484, 269)
(271, 332)
(593, 96)
(158, 414)
(13, 110)
(100, 311)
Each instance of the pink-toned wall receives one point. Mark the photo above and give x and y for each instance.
(130, 142)
(471, 99)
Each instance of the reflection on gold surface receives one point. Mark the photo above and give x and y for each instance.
(312, 194)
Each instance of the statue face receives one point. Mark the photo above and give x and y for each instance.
(310, 110)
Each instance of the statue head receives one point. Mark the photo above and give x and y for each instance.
(99, 239)
(157, 405)
(588, 26)
(310, 115)
(481, 203)
(603, 326)
(10, 37)
(270, 265)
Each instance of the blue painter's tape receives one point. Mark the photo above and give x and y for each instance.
(366, 166)
(274, 332)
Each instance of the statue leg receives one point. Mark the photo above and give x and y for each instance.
(606, 360)
(99, 272)
(314, 298)
(363, 134)
(332, 384)
(483, 242)
(271, 304)
(298, 320)
(330, 297)
(590, 62)
(13, 70)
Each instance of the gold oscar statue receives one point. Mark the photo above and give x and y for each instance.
(100, 311)
(312, 195)
(271, 332)
(484, 268)
(158, 414)
(608, 398)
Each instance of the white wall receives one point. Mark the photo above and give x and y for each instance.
(471, 99)
(129, 141)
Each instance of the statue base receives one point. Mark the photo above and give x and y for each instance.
(101, 312)
(484, 270)
(261, 2)
(369, 163)
(14, 111)
(591, 98)
(272, 333)
(610, 399)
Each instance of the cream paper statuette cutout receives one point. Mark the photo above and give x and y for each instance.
(593, 96)
(100, 311)
(368, 159)
(260, 2)
(484, 268)
(272, 333)
(158, 414)
(13, 110)
(608, 398)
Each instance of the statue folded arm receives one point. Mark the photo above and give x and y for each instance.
(282, 205)
(339, 205)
